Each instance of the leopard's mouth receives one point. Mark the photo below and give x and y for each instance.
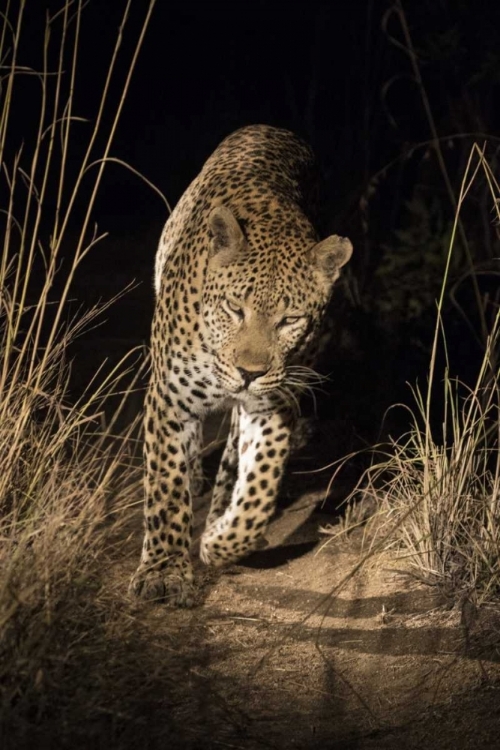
(237, 385)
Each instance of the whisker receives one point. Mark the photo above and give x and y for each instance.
(304, 374)
(289, 398)
(303, 386)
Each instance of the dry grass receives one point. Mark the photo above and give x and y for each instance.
(443, 484)
(442, 495)
(437, 491)
(67, 475)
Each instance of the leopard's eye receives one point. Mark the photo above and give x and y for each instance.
(234, 308)
(290, 320)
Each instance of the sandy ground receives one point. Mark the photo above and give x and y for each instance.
(269, 658)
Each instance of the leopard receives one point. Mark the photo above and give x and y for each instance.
(242, 283)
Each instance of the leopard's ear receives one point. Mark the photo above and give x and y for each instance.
(328, 256)
(227, 237)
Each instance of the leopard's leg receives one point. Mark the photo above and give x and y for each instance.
(227, 472)
(165, 570)
(263, 449)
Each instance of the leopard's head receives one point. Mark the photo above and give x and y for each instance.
(264, 295)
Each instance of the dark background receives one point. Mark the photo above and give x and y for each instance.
(340, 74)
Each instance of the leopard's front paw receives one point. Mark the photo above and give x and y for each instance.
(172, 585)
(220, 547)
(209, 554)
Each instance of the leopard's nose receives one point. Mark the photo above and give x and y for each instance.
(250, 375)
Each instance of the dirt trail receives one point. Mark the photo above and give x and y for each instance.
(268, 660)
